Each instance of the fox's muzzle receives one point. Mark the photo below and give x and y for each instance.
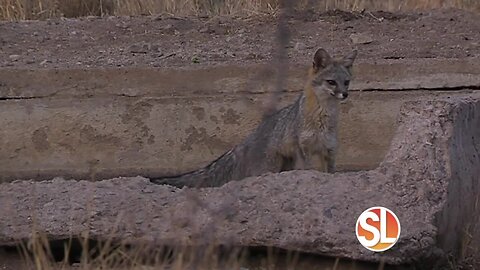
(342, 95)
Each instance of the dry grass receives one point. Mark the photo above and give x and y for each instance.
(38, 254)
(82, 254)
(41, 9)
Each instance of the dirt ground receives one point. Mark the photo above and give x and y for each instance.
(165, 41)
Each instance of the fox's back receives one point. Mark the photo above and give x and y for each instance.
(275, 137)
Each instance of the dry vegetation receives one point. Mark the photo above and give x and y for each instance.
(42, 9)
(84, 254)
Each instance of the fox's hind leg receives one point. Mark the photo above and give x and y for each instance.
(318, 162)
(299, 160)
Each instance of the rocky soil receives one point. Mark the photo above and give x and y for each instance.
(165, 41)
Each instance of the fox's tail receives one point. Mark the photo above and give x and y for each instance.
(215, 174)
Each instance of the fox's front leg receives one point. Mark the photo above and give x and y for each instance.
(306, 160)
(330, 159)
(323, 161)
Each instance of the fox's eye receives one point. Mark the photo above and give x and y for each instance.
(331, 82)
(347, 83)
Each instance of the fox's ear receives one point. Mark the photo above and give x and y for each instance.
(348, 60)
(321, 60)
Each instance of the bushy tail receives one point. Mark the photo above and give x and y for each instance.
(215, 174)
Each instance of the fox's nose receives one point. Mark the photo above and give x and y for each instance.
(345, 95)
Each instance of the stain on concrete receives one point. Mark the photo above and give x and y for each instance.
(170, 143)
(135, 112)
(193, 136)
(200, 136)
(214, 119)
(144, 131)
(40, 139)
(151, 139)
(89, 135)
(231, 117)
(199, 113)
(134, 116)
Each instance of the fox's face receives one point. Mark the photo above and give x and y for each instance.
(330, 76)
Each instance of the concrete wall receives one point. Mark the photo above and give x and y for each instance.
(101, 123)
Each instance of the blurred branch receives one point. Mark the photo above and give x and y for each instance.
(280, 61)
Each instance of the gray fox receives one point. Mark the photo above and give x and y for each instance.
(300, 136)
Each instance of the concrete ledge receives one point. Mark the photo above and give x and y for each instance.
(251, 79)
(429, 178)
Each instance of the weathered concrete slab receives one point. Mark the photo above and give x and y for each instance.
(408, 74)
(429, 178)
(102, 123)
